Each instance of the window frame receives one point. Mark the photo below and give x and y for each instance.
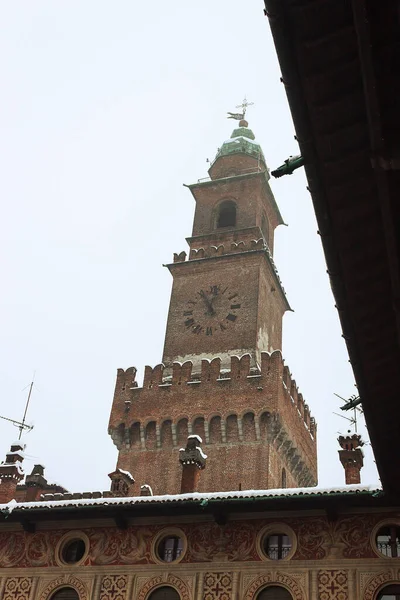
(395, 523)
(276, 529)
(166, 533)
(66, 539)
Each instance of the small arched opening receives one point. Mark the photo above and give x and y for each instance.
(226, 214)
(389, 592)
(65, 593)
(265, 228)
(274, 592)
(283, 479)
(164, 593)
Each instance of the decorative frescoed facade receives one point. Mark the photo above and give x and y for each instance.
(203, 548)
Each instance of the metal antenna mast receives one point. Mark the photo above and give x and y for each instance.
(21, 424)
(350, 404)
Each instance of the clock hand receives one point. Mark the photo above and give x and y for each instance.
(208, 302)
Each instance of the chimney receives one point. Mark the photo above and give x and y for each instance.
(193, 460)
(11, 472)
(121, 482)
(351, 456)
(145, 490)
(35, 483)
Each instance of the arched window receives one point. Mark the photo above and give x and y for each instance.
(274, 592)
(226, 216)
(65, 593)
(283, 482)
(164, 593)
(390, 592)
(264, 227)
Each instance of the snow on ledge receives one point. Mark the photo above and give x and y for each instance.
(197, 496)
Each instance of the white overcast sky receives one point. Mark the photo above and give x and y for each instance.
(106, 109)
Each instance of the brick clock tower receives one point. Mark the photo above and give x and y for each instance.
(222, 376)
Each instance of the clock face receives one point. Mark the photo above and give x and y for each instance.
(212, 310)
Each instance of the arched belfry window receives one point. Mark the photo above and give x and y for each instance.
(164, 593)
(264, 228)
(65, 593)
(226, 215)
(274, 592)
(283, 482)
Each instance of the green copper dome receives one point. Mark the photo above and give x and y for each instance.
(242, 141)
(243, 132)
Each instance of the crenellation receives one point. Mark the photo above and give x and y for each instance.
(229, 247)
(217, 250)
(307, 415)
(286, 377)
(181, 373)
(300, 404)
(153, 376)
(240, 367)
(293, 392)
(181, 257)
(210, 369)
(313, 427)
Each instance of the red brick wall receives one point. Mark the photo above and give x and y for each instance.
(261, 426)
(252, 195)
(237, 274)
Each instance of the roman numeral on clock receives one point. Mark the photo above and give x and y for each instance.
(209, 331)
(189, 322)
(231, 317)
(186, 313)
(232, 297)
(233, 306)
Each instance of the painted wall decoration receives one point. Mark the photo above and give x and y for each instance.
(17, 588)
(165, 579)
(317, 539)
(217, 586)
(332, 585)
(65, 580)
(113, 587)
(208, 541)
(286, 580)
(376, 581)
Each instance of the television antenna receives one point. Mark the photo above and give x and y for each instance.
(351, 404)
(22, 425)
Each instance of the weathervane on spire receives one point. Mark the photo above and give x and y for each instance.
(240, 116)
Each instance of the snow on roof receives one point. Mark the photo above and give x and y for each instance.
(126, 473)
(17, 452)
(195, 437)
(202, 498)
(201, 452)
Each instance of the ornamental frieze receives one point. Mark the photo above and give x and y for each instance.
(317, 539)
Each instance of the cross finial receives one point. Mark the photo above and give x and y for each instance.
(245, 104)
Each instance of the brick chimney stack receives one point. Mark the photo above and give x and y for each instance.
(11, 472)
(193, 460)
(145, 490)
(122, 483)
(351, 456)
(35, 483)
